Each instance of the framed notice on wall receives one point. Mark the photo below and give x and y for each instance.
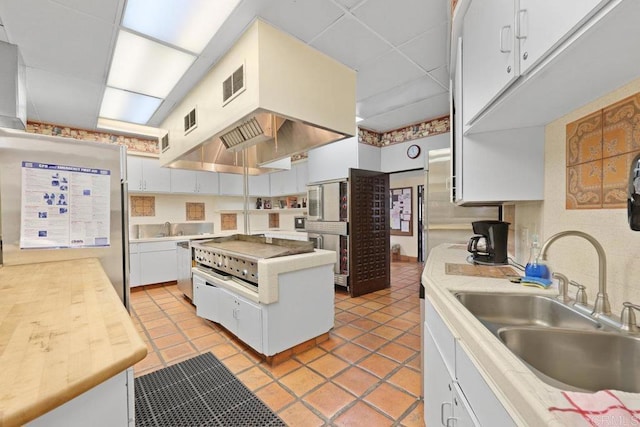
(401, 220)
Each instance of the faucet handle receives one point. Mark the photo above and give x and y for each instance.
(563, 282)
(581, 294)
(628, 317)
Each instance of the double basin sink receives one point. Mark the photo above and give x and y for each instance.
(562, 346)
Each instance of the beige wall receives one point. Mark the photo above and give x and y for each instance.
(573, 256)
(408, 244)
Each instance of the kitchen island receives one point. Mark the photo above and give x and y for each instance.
(498, 387)
(66, 345)
(292, 306)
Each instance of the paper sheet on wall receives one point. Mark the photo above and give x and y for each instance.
(64, 206)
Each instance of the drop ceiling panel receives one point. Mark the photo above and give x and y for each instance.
(104, 9)
(349, 4)
(385, 73)
(62, 99)
(302, 19)
(427, 109)
(67, 42)
(429, 49)
(401, 20)
(349, 42)
(408, 93)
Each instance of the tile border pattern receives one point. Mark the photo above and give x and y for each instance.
(408, 133)
(143, 206)
(140, 145)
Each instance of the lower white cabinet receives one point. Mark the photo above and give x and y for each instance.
(455, 392)
(153, 262)
(205, 298)
(241, 317)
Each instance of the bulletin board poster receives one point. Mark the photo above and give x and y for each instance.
(64, 206)
(400, 216)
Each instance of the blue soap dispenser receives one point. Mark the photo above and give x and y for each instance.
(536, 267)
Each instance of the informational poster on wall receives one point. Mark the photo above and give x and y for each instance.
(64, 206)
(400, 215)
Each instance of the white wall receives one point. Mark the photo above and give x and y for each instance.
(574, 256)
(172, 208)
(394, 157)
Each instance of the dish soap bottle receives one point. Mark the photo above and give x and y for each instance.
(536, 267)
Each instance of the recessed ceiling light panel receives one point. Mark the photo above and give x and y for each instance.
(188, 24)
(144, 66)
(127, 106)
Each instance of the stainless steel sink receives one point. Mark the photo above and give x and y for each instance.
(496, 310)
(578, 360)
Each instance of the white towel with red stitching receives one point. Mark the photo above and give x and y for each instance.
(603, 408)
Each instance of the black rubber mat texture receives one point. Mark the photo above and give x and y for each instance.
(198, 392)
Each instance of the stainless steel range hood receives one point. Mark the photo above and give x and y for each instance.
(270, 95)
(13, 94)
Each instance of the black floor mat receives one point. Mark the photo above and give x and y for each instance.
(198, 392)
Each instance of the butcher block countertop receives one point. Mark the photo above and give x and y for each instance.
(63, 331)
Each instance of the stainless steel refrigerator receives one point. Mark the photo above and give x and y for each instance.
(63, 199)
(445, 221)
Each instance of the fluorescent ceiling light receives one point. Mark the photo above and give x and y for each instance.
(129, 128)
(187, 24)
(127, 106)
(144, 66)
(359, 119)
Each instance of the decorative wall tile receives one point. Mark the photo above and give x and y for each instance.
(274, 220)
(615, 175)
(622, 127)
(195, 211)
(141, 145)
(584, 139)
(143, 206)
(584, 185)
(408, 133)
(228, 221)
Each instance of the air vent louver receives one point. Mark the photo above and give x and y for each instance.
(164, 142)
(190, 121)
(233, 84)
(246, 131)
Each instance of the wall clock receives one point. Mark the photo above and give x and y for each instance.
(413, 151)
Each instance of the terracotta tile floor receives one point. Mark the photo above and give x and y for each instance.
(366, 374)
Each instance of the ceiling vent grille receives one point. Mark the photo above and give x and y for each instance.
(190, 122)
(233, 85)
(246, 131)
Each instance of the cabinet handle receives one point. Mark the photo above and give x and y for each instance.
(522, 24)
(442, 421)
(503, 30)
(450, 419)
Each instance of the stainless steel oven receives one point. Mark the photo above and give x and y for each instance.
(340, 245)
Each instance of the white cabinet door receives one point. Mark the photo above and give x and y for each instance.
(134, 269)
(206, 299)
(463, 416)
(490, 53)
(134, 174)
(183, 181)
(259, 185)
(437, 384)
(302, 177)
(543, 24)
(207, 182)
(227, 313)
(284, 182)
(155, 179)
(230, 184)
(249, 316)
(158, 266)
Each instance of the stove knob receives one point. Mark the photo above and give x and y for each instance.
(219, 264)
(244, 272)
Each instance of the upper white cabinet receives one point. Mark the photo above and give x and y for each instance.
(144, 174)
(506, 43)
(194, 182)
(489, 54)
(231, 184)
(284, 182)
(259, 185)
(302, 176)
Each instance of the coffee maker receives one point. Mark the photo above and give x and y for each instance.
(489, 246)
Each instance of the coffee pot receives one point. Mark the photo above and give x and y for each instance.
(489, 245)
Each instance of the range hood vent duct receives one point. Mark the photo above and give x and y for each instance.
(13, 93)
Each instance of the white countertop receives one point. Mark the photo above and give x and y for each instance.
(523, 395)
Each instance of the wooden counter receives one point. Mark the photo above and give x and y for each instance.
(63, 330)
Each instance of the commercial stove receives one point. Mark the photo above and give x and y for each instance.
(236, 257)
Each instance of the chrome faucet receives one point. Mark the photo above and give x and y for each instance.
(167, 226)
(601, 306)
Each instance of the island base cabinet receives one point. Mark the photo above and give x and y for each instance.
(106, 405)
(456, 394)
(241, 317)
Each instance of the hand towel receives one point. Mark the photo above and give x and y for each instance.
(603, 408)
